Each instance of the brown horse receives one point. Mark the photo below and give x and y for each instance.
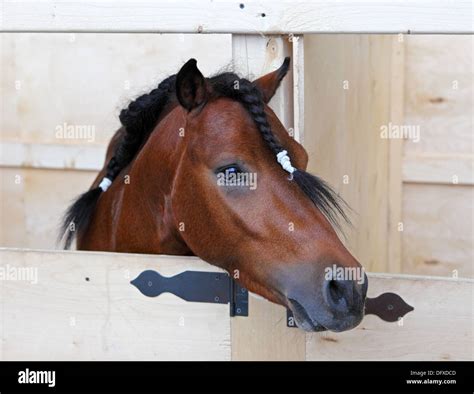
(179, 172)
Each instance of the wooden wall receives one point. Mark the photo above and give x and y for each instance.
(412, 201)
(81, 306)
(438, 171)
(348, 97)
(81, 80)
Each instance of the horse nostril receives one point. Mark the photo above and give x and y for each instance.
(345, 296)
(339, 294)
(336, 293)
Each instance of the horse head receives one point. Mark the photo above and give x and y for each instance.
(214, 173)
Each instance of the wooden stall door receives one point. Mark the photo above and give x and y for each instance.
(81, 306)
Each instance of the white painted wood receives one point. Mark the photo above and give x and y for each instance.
(82, 307)
(256, 16)
(440, 327)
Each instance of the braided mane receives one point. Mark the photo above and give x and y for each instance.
(140, 118)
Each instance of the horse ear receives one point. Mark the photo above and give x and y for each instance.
(191, 87)
(268, 84)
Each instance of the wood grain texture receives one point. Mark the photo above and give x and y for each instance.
(256, 16)
(51, 83)
(264, 336)
(52, 156)
(83, 307)
(440, 327)
(438, 170)
(298, 60)
(447, 169)
(395, 156)
(33, 201)
(347, 100)
(438, 233)
(439, 94)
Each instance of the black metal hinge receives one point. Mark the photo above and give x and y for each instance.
(197, 286)
(220, 288)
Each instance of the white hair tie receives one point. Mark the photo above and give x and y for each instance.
(105, 184)
(285, 162)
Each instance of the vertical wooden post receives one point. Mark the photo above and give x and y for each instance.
(298, 87)
(395, 156)
(350, 87)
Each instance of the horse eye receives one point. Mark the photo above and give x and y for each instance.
(230, 169)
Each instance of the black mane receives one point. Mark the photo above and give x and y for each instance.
(139, 120)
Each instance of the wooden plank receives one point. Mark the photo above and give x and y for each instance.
(249, 17)
(441, 169)
(33, 202)
(440, 327)
(438, 167)
(264, 335)
(439, 94)
(298, 87)
(438, 232)
(347, 99)
(82, 307)
(73, 90)
(52, 156)
(395, 156)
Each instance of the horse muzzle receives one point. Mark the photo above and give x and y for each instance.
(338, 305)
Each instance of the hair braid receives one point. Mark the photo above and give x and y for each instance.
(251, 97)
(139, 118)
